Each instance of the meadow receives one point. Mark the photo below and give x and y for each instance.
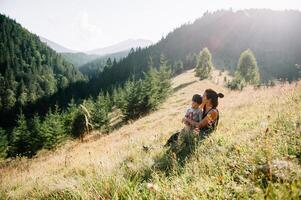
(254, 154)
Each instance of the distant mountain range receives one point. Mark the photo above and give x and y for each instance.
(121, 46)
(116, 51)
(125, 45)
(80, 59)
(55, 46)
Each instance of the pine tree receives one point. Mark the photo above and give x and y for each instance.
(141, 96)
(36, 134)
(247, 67)
(178, 67)
(164, 76)
(109, 101)
(109, 63)
(9, 99)
(30, 69)
(101, 110)
(89, 104)
(133, 99)
(151, 86)
(21, 139)
(69, 116)
(205, 66)
(118, 97)
(22, 93)
(191, 61)
(53, 129)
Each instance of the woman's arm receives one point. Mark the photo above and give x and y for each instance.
(211, 116)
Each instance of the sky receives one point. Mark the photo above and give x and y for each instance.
(83, 25)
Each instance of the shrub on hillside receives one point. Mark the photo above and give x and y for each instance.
(238, 83)
(78, 127)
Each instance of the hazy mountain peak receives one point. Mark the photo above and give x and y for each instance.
(55, 46)
(121, 46)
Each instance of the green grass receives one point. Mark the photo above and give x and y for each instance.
(254, 154)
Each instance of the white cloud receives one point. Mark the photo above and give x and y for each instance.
(86, 33)
(87, 27)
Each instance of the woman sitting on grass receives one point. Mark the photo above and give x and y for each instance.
(210, 115)
(205, 124)
(183, 143)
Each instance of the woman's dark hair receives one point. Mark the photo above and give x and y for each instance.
(213, 96)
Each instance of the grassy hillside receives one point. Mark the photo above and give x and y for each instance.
(255, 153)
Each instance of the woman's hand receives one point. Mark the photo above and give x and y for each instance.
(191, 122)
(184, 120)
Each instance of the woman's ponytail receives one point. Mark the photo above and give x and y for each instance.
(220, 95)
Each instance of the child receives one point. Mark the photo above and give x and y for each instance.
(193, 113)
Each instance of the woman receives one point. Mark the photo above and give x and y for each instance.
(210, 115)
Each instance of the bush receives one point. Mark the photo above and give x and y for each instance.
(236, 84)
(78, 127)
(272, 83)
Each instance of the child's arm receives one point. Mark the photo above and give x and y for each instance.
(200, 115)
(186, 116)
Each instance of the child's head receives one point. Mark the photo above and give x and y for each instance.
(196, 101)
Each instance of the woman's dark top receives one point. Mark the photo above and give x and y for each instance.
(213, 117)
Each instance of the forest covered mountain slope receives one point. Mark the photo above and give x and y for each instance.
(271, 35)
(29, 69)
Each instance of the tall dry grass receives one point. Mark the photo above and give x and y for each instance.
(255, 153)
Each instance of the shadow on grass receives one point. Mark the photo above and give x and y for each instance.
(177, 153)
(183, 86)
(171, 161)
